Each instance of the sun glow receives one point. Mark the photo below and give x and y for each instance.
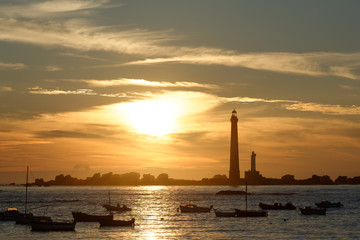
(162, 114)
(152, 117)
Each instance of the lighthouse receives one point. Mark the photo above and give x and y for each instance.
(234, 173)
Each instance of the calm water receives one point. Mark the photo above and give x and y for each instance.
(154, 209)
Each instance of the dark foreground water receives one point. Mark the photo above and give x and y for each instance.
(155, 211)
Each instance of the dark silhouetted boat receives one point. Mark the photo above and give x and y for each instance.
(27, 218)
(52, 226)
(191, 208)
(252, 213)
(116, 208)
(249, 213)
(277, 206)
(117, 223)
(327, 204)
(11, 214)
(225, 213)
(312, 211)
(83, 217)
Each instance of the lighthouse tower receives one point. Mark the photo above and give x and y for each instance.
(234, 173)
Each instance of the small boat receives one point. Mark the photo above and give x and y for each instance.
(28, 218)
(83, 217)
(191, 208)
(52, 226)
(116, 208)
(253, 213)
(117, 223)
(277, 206)
(327, 204)
(312, 211)
(225, 213)
(249, 213)
(11, 214)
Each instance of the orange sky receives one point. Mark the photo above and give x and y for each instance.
(105, 86)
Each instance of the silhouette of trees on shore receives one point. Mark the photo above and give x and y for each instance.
(134, 178)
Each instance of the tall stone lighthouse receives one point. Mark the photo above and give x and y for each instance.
(234, 173)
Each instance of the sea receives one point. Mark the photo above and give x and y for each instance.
(155, 209)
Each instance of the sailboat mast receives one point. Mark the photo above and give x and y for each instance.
(109, 198)
(246, 196)
(26, 187)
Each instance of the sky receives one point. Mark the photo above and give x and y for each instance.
(143, 86)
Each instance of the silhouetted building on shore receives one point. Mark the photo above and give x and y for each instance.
(252, 176)
(234, 173)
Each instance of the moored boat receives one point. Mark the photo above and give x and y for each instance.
(116, 208)
(117, 223)
(327, 204)
(52, 226)
(312, 211)
(252, 213)
(83, 217)
(225, 213)
(249, 213)
(277, 206)
(192, 208)
(11, 214)
(28, 218)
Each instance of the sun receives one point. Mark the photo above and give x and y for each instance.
(155, 117)
(162, 114)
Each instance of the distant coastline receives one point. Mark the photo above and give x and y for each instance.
(134, 179)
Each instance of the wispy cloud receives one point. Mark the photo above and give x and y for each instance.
(324, 108)
(313, 64)
(46, 8)
(252, 100)
(5, 89)
(39, 90)
(88, 92)
(53, 68)
(142, 82)
(14, 66)
(154, 46)
(294, 105)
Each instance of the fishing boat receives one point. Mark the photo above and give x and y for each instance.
(224, 213)
(312, 211)
(11, 214)
(277, 206)
(327, 204)
(83, 217)
(52, 226)
(116, 208)
(191, 208)
(249, 213)
(117, 223)
(27, 218)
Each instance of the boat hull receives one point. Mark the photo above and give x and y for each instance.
(117, 223)
(312, 211)
(276, 207)
(225, 214)
(326, 204)
(194, 209)
(83, 217)
(242, 213)
(52, 226)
